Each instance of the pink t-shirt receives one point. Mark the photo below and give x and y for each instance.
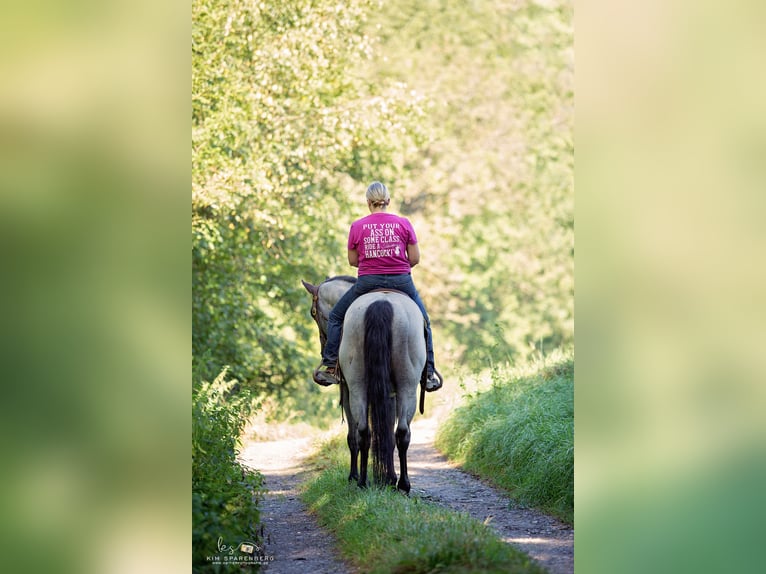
(381, 240)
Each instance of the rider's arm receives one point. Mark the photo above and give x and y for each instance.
(413, 254)
(353, 258)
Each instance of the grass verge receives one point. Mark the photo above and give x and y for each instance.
(380, 530)
(519, 434)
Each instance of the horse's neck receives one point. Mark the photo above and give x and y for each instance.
(332, 291)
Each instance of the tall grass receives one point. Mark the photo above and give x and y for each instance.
(382, 531)
(519, 434)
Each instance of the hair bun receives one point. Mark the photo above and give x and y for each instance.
(377, 194)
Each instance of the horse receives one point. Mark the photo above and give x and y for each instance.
(382, 357)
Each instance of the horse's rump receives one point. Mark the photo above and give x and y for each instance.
(407, 338)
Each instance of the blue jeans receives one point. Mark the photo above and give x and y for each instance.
(365, 284)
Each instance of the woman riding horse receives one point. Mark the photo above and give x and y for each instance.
(384, 247)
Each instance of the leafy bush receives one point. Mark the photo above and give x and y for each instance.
(520, 434)
(224, 494)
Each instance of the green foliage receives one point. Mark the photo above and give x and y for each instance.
(280, 131)
(224, 494)
(491, 194)
(381, 531)
(520, 434)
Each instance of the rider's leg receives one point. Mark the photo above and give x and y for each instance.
(335, 327)
(325, 374)
(429, 336)
(433, 381)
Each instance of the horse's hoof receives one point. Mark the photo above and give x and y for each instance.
(404, 487)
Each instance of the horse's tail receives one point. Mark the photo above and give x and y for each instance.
(377, 373)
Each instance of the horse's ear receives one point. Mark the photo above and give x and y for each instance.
(310, 288)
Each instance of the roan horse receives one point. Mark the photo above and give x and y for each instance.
(382, 356)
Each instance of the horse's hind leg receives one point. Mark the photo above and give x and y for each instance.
(402, 444)
(353, 448)
(364, 449)
(358, 425)
(406, 403)
(352, 438)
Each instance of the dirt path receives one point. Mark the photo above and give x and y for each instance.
(298, 545)
(294, 541)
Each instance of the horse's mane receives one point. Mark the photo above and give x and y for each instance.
(346, 278)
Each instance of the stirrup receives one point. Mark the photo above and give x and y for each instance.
(434, 383)
(326, 375)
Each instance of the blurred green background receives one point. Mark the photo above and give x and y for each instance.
(94, 180)
(670, 301)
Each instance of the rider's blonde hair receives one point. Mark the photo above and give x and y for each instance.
(377, 194)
